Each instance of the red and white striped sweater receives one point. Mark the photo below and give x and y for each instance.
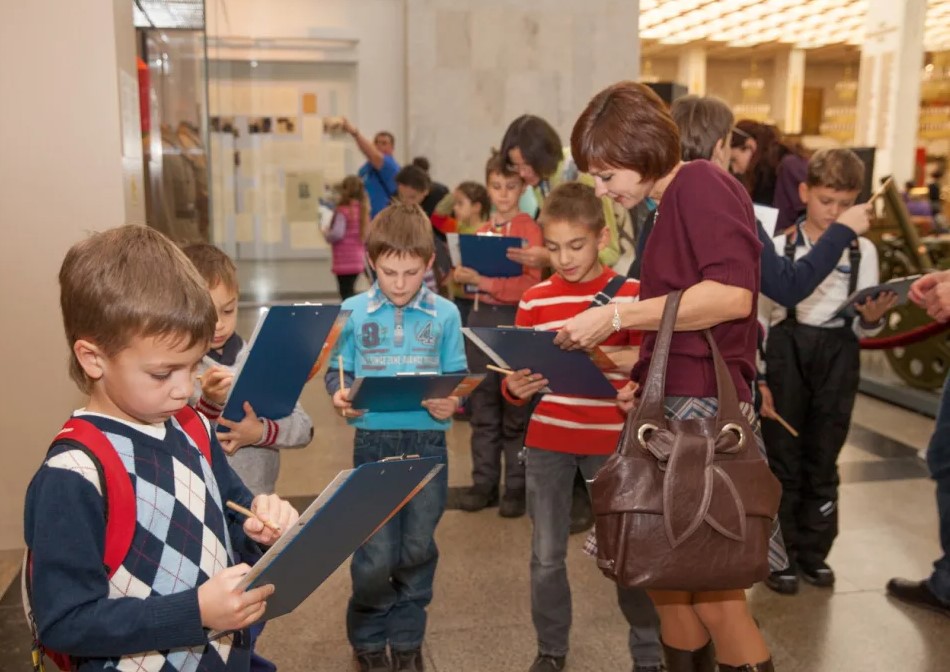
(564, 423)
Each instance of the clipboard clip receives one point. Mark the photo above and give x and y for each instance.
(399, 458)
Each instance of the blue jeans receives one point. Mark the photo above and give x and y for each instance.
(392, 572)
(550, 487)
(938, 461)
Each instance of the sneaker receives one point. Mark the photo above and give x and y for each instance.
(818, 574)
(784, 582)
(373, 661)
(512, 504)
(546, 663)
(408, 661)
(917, 593)
(478, 497)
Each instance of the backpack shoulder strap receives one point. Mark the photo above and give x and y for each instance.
(854, 257)
(195, 428)
(603, 297)
(117, 488)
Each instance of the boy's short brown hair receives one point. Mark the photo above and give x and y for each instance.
(130, 282)
(401, 230)
(213, 265)
(838, 169)
(703, 121)
(498, 165)
(574, 203)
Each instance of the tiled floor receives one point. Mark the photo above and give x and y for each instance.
(480, 617)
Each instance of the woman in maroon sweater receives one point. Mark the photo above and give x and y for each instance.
(704, 242)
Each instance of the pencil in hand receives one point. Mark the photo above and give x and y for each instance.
(498, 369)
(250, 514)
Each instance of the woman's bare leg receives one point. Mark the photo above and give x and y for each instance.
(725, 615)
(680, 626)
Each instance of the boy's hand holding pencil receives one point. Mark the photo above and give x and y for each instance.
(341, 400)
(524, 384)
(268, 518)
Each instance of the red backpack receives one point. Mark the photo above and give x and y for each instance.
(117, 491)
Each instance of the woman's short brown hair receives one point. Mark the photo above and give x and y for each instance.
(574, 203)
(839, 169)
(131, 282)
(702, 121)
(626, 126)
(400, 229)
(213, 265)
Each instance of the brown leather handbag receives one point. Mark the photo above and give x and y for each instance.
(685, 504)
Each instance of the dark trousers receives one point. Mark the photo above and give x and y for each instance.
(550, 479)
(813, 374)
(393, 571)
(497, 424)
(347, 285)
(938, 460)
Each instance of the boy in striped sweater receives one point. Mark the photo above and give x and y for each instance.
(567, 433)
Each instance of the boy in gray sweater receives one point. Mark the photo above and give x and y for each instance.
(251, 444)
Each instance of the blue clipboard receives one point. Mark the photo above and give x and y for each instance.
(899, 286)
(385, 394)
(347, 513)
(487, 255)
(286, 343)
(568, 371)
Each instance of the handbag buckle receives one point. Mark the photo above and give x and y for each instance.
(736, 429)
(642, 432)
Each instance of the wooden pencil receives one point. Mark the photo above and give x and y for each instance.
(788, 428)
(880, 190)
(498, 369)
(250, 514)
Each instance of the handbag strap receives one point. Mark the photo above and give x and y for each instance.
(650, 410)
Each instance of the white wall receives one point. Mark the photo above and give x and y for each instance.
(474, 67)
(378, 25)
(61, 175)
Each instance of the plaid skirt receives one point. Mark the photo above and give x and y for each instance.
(685, 408)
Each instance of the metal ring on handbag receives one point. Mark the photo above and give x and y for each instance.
(736, 429)
(642, 432)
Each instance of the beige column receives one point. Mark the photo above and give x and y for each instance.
(692, 70)
(61, 176)
(788, 90)
(889, 85)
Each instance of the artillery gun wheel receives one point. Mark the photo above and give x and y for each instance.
(924, 364)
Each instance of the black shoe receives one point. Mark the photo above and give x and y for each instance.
(766, 666)
(784, 582)
(408, 661)
(647, 668)
(512, 504)
(373, 661)
(546, 663)
(917, 593)
(818, 574)
(478, 497)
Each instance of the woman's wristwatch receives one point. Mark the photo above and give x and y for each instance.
(615, 322)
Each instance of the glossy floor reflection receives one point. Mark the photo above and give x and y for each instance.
(480, 617)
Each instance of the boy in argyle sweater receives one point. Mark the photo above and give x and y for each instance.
(138, 319)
